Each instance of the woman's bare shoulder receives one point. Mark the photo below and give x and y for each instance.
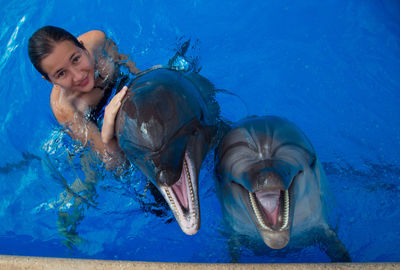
(93, 39)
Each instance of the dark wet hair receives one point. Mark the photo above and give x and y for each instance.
(42, 42)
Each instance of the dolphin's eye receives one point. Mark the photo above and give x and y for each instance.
(313, 162)
(201, 118)
(195, 131)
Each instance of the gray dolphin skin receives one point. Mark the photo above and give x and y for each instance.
(166, 126)
(271, 185)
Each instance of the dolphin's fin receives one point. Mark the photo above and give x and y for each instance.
(333, 247)
(179, 54)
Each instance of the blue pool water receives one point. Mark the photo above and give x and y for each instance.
(332, 67)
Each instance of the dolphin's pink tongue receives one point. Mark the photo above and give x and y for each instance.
(269, 201)
(180, 190)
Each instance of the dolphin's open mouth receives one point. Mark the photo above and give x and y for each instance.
(271, 209)
(182, 198)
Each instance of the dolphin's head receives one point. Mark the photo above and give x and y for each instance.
(163, 129)
(259, 163)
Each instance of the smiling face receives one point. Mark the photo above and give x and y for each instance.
(69, 67)
(267, 178)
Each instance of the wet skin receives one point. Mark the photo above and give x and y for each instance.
(76, 89)
(270, 184)
(165, 128)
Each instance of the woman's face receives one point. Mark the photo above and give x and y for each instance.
(70, 67)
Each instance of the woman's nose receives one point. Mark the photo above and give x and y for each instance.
(77, 75)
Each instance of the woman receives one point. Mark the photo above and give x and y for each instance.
(83, 72)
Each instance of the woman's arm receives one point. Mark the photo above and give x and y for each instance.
(88, 133)
(100, 45)
(111, 49)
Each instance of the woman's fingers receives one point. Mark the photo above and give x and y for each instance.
(110, 113)
(116, 101)
(120, 95)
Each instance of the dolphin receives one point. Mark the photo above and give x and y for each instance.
(271, 186)
(166, 125)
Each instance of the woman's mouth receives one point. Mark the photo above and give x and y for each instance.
(84, 82)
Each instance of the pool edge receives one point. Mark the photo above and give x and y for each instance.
(43, 263)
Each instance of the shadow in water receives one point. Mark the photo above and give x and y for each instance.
(80, 174)
(27, 158)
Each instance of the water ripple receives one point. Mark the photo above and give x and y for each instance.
(11, 45)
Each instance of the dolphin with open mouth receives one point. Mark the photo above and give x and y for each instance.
(166, 125)
(271, 186)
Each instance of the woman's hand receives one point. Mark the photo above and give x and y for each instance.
(110, 112)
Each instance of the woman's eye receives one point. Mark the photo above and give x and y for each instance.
(60, 74)
(76, 59)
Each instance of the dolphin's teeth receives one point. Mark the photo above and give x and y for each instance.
(286, 205)
(172, 203)
(186, 168)
(286, 208)
(257, 212)
(174, 207)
